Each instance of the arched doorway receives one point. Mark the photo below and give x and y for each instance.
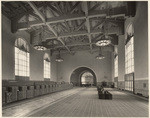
(83, 72)
(87, 79)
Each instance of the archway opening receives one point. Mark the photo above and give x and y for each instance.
(83, 76)
(87, 79)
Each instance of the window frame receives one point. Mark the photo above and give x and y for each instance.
(129, 56)
(46, 68)
(21, 59)
(116, 66)
(129, 59)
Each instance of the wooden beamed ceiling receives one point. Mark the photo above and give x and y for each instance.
(69, 26)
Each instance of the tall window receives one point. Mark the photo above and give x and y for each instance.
(129, 56)
(129, 51)
(116, 66)
(21, 58)
(47, 66)
(129, 59)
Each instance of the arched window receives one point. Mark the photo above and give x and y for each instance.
(129, 59)
(47, 65)
(22, 58)
(129, 51)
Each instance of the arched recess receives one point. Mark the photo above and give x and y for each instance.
(76, 75)
(46, 57)
(129, 31)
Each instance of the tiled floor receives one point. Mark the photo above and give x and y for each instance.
(83, 102)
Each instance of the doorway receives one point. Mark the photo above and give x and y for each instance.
(87, 79)
(83, 76)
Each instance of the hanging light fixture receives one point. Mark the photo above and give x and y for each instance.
(100, 56)
(105, 39)
(58, 58)
(39, 46)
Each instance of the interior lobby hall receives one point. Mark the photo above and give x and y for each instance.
(74, 59)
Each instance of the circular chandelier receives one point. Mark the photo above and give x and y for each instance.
(39, 47)
(100, 56)
(58, 58)
(104, 41)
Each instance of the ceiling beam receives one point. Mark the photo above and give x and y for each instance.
(74, 7)
(37, 11)
(50, 11)
(23, 6)
(119, 11)
(99, 24)
(64, 45)
(12, 9)
(70, 34)
(85, 6)
(67, 25)
(76, 50)
(69, 17)
(15, 25)
(42, 17)
(51, 29)
(105, 49)
(63, 27)
(35, 16)
(62, 18)
(54, 9)
(71, 45)
(114, 42)
(115, 30)
(99, 35)
(44, 20)
(97, 5)
(67, 7)
(79, 27)
(59, 8)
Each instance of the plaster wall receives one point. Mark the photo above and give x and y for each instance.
(102, 68)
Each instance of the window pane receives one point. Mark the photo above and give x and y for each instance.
(129, 83)
(16, 72)
(46, 69)
(116, 66)
(21, 62)
(129, 57)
